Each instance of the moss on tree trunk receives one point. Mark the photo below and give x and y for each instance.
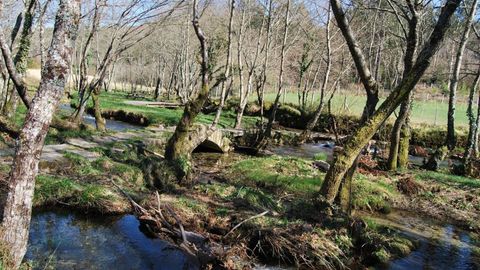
(97, 110)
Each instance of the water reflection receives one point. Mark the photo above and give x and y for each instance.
(307, 150)
(67, 241)
(109, 123)
(442, 246)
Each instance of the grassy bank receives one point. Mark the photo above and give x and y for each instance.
(432, 112)
(164, 116)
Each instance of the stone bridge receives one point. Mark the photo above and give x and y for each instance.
(202, 137)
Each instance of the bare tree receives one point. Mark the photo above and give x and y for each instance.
(132, 26)
(473, 126)
(251, 66)
(17, 66)
(17, 209)
(83, 67)
(228, 66)
(313, 122)
(179, 146)
(400, 136)
(451, 139)
(343, 161)
(271, 119)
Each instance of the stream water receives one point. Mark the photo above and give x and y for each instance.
(309, 150)
(441, 245)
(110, 124)
(62, 240)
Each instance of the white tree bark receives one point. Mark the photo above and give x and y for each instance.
(18, 205)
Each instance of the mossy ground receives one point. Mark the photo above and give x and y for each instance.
(86, 185)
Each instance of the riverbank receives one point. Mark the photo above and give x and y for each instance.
(231, 189)
(257, 209)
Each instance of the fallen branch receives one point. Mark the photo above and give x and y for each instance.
(246, 220)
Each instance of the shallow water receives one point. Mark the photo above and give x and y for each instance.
(307, 150)
(61, 240)
(112, 124)
(109, 123)
(441, 245)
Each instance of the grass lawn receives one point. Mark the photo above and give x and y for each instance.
(424, 112)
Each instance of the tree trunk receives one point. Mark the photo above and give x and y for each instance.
(395, 138)
(472, 130)
(242, 94)
(157, 88)
(404, 144)
(475, 152)
(271, 119)
(21, 61)
(261, 93)
(176, 150)
(400, 136)
(451, 140)
(313, 122)
(344, 160)
(370, 84)
(228, 67)
(251, 68)
(97, 110)
(18, 203)
(83, 85)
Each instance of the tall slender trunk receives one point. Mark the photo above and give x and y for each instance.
(21, 59)
(18, 203)
(451, 140)
(400, 136)
(271, 119)
(83, 85)
(475, 152)
(17, 67)
(157, 88)
(251, 69)
(242, 94)
(261, 93)
(472, 126)
(228, 66)
(313, 122)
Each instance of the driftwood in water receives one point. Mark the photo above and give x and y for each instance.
(162, 222)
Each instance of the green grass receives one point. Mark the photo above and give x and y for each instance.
(424, 112)
(63, 191)
(287, 174)
(372, 194)
(50, 189)
(280, 175)
(448, 179)
(156, 115)
(190, 205)
(320, 156)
